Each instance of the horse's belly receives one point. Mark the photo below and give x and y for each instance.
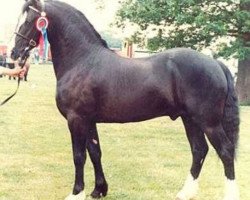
(124, 118)
(134, 112)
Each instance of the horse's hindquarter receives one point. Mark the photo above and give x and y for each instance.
(203, 84)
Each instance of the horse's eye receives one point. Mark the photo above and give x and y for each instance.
(27, 22)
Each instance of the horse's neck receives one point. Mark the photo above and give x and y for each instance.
(70, 45)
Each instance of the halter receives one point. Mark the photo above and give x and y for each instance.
(32, 43)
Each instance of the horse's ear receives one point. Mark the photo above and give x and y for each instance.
(36, 4)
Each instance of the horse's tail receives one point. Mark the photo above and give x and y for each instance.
(231, 120)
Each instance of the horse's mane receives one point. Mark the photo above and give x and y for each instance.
(80, 15)
(103, 42)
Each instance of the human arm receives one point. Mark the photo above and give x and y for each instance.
(17, 71)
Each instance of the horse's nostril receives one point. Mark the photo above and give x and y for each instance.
(14, 54)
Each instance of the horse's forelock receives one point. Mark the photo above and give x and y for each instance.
(35, 3)
(26, 6)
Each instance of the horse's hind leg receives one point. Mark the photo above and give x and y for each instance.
(93, 146)
(199, 150)
(226, 151)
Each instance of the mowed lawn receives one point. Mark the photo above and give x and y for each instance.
(142, 161)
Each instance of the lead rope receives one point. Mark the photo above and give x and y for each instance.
(18, 83)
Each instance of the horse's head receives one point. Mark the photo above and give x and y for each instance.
(27, 36)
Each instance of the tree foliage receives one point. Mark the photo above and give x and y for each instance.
(112, 41)
(190, 23)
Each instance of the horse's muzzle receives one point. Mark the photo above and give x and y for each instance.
(14, 54)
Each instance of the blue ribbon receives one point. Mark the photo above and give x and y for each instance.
(46, 43)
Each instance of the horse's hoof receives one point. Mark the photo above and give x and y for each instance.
(100, 191)
(80, 196)
(231, 198)
(180, 196)
(189, 190)
(227, 197)
(232, 191)
(186, 195)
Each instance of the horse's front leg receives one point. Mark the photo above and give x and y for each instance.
(79, 129)
(93, 146)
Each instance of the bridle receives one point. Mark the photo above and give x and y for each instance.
(31, 44)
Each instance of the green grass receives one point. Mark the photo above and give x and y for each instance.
(142, 161)
(247, 103)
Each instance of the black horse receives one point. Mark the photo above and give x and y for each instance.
(95, 85)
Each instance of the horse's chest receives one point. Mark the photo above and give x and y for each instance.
(77, 98)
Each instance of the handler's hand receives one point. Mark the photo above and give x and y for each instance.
(18, 71)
